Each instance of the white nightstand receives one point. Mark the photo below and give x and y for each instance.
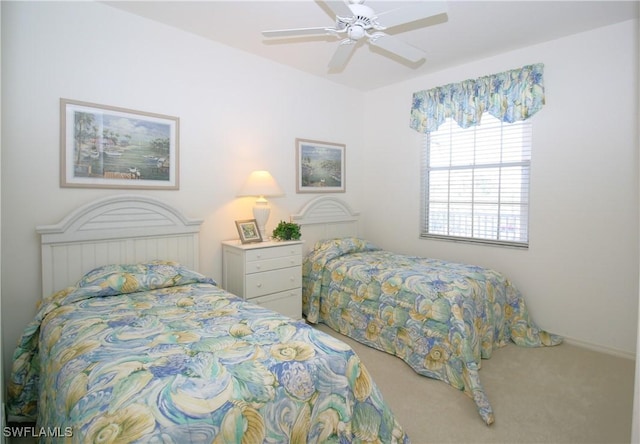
(266, 273)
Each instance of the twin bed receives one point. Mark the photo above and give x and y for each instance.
(146, 350)
(441, 318)
(143, 348)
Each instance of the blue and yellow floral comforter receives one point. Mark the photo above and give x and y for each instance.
(157, 353)
(440, 317)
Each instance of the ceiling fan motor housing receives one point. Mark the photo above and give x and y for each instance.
(362, 21)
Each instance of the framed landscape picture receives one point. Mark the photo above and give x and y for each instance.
(108, 147)
(248, 231)
(320, 167)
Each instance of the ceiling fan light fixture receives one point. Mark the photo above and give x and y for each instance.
(356, 32)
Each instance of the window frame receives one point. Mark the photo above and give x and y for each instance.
(425, 197)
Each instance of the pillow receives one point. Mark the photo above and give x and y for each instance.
(344, 245)
(115, 279)
(325, 250)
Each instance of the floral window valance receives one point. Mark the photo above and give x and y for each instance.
(509, 96)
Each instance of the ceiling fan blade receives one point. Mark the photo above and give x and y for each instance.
(298, 32)
(342, 54)
(397, 47)
(339, 8)
(400, 16)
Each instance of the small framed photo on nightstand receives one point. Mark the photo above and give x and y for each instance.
(248, 231)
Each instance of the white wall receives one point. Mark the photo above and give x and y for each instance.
(237, 113)
(580, 274)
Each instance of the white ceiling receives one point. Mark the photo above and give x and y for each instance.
(473, 30)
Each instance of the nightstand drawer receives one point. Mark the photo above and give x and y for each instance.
(289, 302)
(274, 252)
(273, 264)
(259, 284)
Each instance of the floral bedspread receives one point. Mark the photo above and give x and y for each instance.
(158, 353)
(440, 317)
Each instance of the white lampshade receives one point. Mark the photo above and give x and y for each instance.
(261, 184)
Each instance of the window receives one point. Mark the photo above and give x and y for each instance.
(476, 182)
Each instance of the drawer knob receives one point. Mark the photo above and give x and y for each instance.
(259, 285)
(258, 267)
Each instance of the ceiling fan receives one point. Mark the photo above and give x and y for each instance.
(356, 21)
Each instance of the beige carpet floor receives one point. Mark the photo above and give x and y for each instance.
(563, 394)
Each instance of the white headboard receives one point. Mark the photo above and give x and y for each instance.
(326, 217)
(115, 229)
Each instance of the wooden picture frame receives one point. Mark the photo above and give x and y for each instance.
(248, 231)
(320, 167)
(109, 147)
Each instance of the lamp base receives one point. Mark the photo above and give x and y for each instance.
(261, 212)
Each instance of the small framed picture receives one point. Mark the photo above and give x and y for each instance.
(320, 167)
(248, 231)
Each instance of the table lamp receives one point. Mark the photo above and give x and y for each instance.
(261, 184)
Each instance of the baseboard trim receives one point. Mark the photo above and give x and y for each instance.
(600, 348)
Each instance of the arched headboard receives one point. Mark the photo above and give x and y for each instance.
(115, 229)
(326, 217)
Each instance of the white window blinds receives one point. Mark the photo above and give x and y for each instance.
(476, 182)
